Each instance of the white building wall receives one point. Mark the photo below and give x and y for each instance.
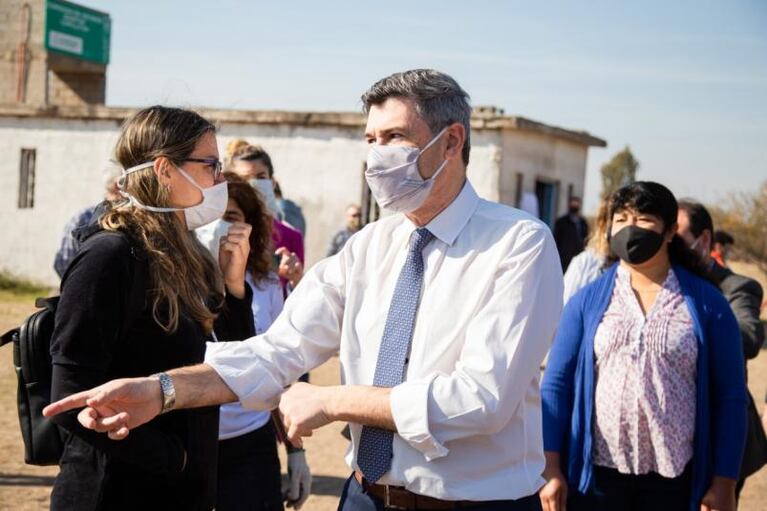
(485, 163)
(68, 177)
(536, 156)
(319, 167)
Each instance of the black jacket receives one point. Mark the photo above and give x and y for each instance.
(144, 471)
(570, 238)
(745, 297)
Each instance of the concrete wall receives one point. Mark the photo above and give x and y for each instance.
(319, 167)
(544, 158)
(68, 177)
(485, 163)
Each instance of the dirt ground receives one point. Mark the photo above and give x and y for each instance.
(24, 487)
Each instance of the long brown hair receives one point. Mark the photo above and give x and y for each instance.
(259, 218)
(183, 274)
(598, 237)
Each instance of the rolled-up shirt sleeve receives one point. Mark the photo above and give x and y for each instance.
(505, 343)
(304, 335)
(409, 404)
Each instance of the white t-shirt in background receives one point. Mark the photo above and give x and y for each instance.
(266, 306)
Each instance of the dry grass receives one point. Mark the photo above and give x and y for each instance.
(24, 487)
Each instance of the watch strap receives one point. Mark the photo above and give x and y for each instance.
(168, 392)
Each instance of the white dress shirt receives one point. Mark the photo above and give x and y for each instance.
(468, 414)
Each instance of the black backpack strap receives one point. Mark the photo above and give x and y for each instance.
(49, 303)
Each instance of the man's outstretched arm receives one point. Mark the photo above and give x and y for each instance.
(306, 334)
(121, 405)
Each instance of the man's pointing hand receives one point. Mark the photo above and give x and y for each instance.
(115, 407)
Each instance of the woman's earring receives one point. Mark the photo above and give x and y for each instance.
(167, 187)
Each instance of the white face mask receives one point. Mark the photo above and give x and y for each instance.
(212, 207)
(210, 235)
(393, 177)
(698, 247)
(266, 188)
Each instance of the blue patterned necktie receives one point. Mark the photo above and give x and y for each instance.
(375, 449)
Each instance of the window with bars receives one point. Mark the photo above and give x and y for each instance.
(27, 178)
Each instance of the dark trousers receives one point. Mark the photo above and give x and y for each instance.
(611, 490)
(354, 498)
(249, 472)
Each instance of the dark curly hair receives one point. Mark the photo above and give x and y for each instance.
(256, 214)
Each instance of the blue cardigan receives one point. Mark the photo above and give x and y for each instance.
(567, 390)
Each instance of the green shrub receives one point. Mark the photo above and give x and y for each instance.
(21, 286)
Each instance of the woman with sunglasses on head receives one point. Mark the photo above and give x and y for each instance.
(253, 164)
(644, 400)
(143, 296)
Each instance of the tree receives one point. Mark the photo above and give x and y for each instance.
(619, 171)
(744, 216)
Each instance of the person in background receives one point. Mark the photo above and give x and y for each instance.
(720, 249)
(248, 465)
(233, 147)
(587, 266)
(69, 243)
(290, 212)
(571, 232)
(644, 394)
(253, 164)
(745, 296)
(529, 204)
(141, 296)
(353, 224)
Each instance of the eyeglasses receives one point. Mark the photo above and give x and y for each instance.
(214, 163)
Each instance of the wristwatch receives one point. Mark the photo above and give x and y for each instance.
(168, 392)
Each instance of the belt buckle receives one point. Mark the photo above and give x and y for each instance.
(387, 500)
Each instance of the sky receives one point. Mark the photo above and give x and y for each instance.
(683, 83)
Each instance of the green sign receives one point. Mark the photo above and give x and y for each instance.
(77, 31)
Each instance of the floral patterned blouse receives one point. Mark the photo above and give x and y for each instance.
(645, 368)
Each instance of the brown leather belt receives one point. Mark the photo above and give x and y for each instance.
(397, 497)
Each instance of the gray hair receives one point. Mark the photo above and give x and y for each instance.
(438, 98)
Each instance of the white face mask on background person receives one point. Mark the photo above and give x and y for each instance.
(266, 188)
(212, 207)
(210, 235)
(393, 177)
(698, 247)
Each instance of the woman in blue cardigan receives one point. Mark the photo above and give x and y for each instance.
(644, 398)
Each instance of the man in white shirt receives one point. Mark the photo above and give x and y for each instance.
(441, 316)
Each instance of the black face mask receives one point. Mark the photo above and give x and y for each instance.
(636, 245)
(574, 210)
